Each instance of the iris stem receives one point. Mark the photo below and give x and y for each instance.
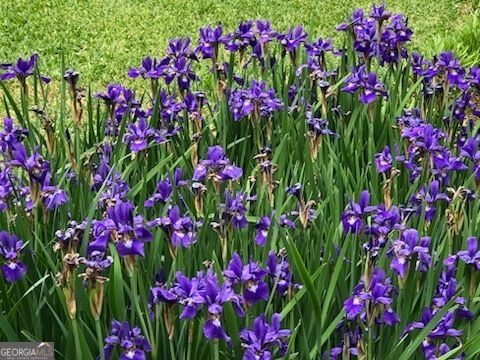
(99, 339)
(76, 336)
(216, 350)
(134, 290)
(172, 348)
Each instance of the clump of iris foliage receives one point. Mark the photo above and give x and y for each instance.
(302, 199)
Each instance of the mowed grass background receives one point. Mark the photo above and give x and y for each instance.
(102, 38)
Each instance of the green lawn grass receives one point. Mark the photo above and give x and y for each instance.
(102, 38)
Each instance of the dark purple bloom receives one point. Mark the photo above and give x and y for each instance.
(450, 67)
(13, 269)
(149, 68)
(428, 197)
(11, 135)
(216, 166)
(129, 232)
(139, 134)
(181, 70)
(180, 228)
(259, 343)
(293, 38)
(280, 273)
(133, 345)
(378, 296)
(53, 197)
(21, 70)
(367, 84)
(180, 47)
(37, 168)
(404, 248)
(318, 127)
(162, 193)
(471, 256)
(257, 101)
(250, 276)
(209, 41)
(353, 216)
(215, 296)
(262, 227)
(383, 160)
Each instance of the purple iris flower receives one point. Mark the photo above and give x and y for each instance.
(318, 127)
(243, 37)
(129, 232)
(216, 166)
(187, 292)
(404, 248)
(250, 276)
(13, 269)
(71, 236)
(181, 229)
(114, 94)
(6, 188)
(215, 296)
(139, 134)
(133, 345)
(209, 41)
(11, 135)
(149, 68)
(286, 222)
(378, 295)
(367, 84)
(280, 273)
(470, 150)
(396, 34)
(293, 38)
(53, 197)
(454, 73)
(264, 31)
(36, 167)
(353, 216)
(257, 101)
(262, 227)
(259, 343)
(379, 13)
(471, 256)
(190, 295)
(96, 263)
(181, 70)
(180, 47)
(428, 197)
(234, 210)
(383, 160)
(21, 70)
(162, 193)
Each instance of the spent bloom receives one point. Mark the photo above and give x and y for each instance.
(13, 269)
